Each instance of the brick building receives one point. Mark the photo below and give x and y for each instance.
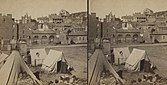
(6, 26)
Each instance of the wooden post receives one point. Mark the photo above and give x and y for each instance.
(35, 63)
(17, 31)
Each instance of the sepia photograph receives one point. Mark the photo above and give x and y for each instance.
(43, 42)
(83, 42)
(127, 42)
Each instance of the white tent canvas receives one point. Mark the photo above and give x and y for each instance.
(121, 54)
(3, 57)
(134, 60)
(9, 72)
(50, 62)
(34, 57)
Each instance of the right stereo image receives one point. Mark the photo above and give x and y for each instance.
(127, 42)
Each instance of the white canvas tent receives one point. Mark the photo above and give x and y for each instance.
(39, 59)
(121, 54)
(9, 72)
(96, 64)
(3, 57)
(138, 60)
(50, 63)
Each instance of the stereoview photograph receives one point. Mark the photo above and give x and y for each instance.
(43, 42)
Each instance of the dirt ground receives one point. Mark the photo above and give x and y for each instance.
(157, 55)
(76, 57)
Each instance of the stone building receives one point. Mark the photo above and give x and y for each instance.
(79, 37)
(127, 18)
(79, 21)
(25, 19)
(148, 12)
(161, 17)
(110, 17)
(127, 25)
(24, 30)
(93, 24)
(54, 18)
(79, 17)
(159, 36)
(139, 17)
(63, 17)
(6, 26)
(43, 19)
(122, 36)
(63, 38)
(44, 37)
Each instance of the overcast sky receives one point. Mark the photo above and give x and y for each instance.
(125, 7)
(37, 8)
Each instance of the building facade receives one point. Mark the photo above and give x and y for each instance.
(44, 37)
(139, 17)
(122, 36)
(79, 37)
(6, 26)
(43, 19)
(159, 37)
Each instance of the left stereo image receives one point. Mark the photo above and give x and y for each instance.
(43, 42)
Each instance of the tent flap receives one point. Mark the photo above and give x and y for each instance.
(50, 62)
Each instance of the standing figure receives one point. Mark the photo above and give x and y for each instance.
(37, 59)
(13, 42)
(112, 57)
(28, 58)
(2, 43)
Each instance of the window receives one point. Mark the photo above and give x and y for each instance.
(3, 19)
(107, 30)
(79, 38)
(125, 24)
(29, 37)
(163, 37)
(13, 31)
(23, 31)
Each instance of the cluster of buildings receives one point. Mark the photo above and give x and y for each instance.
(141, 27)
(61, 28)
(71, 28)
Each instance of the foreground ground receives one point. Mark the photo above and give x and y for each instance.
(76, 56)
(157, 55)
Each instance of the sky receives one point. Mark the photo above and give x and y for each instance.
(38, 8)
(125, 7)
